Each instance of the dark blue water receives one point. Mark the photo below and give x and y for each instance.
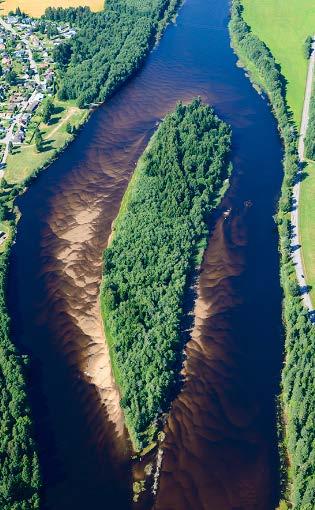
(56, 261)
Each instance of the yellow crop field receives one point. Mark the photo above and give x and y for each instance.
(36, 8)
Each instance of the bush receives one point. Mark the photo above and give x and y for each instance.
(310, 135)
(308, 46)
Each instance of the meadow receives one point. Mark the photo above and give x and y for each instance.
(36, 8)
(284, 26)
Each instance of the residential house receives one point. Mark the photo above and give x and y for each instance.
(12, 20)
(19, 137)
(11, 107)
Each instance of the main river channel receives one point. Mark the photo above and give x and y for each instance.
(220, 447)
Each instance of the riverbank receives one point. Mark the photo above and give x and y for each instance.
(285, 36)
(19, 459)
(25, 161)
(165, 234)
(300, 336)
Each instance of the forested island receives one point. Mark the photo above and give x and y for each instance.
(158, 241)
(297, 401)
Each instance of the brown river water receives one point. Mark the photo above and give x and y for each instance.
(220, 450)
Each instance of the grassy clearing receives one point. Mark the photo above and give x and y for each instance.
(284, 26)
(25, 159)
(36, 8)
(5, 227)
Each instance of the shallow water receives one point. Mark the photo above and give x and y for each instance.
(220, 447)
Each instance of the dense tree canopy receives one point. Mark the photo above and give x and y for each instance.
(298, 377)
(109, 46)
(47, 110)
(159, 238)
(19, 468)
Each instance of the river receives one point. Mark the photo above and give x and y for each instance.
(220, 447)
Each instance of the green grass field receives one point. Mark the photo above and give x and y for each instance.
(5, 227)
(307, 228)
(284, 25)
(25, 159)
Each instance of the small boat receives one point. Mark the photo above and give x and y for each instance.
(227, 213)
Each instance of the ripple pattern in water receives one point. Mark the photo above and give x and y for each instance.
(219, 448)
(216, 452)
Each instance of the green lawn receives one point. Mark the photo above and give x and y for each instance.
(25, 159)
(284, 25)
(5, 227)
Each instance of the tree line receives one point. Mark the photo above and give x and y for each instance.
(109, 46)
(307, 47)
(298, 376)
(20, 480)
(159, 239)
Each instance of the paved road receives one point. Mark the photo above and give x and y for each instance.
(297, 252)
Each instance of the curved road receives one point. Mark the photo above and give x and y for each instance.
(295, 243)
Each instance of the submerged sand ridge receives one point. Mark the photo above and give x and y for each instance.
(72, 276)
(75, 222)
(90, 351)
(215, 455)
(74, 234)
